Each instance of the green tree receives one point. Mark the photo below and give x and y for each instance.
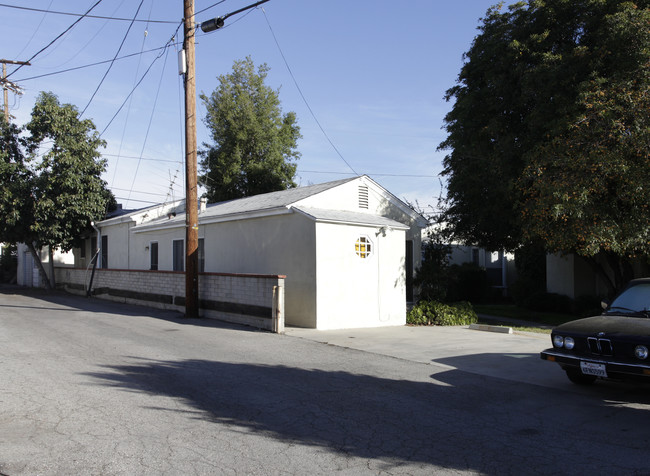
(432, 277)
(254, 144)
(549, 126)
(51, 179)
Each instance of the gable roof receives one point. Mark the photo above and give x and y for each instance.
(269, 201)
(151, 212)
(352, 218)
(286, 202)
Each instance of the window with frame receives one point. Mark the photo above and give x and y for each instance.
(153, 255)
(363, 247)
(178, 255)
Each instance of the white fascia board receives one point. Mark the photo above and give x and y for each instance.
(158, 226)
(360, 222)
(128, 217)
(244, 215)
(207, 220)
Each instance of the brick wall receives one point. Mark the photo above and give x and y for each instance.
(255, 300)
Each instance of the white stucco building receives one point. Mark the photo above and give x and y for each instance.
(346, 250)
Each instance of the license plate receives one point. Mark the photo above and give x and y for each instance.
(590, 368)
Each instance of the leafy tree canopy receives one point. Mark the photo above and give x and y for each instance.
(50, 172)
(548, 135)
(254, 144)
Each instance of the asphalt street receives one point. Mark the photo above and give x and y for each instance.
(92, 387)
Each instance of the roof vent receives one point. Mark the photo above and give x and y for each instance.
(363, 196)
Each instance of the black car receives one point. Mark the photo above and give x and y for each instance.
(613, 345)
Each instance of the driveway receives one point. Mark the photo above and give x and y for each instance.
(93, 387)
(507, 356)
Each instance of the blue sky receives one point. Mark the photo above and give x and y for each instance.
(374, 73)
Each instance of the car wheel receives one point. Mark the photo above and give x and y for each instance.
(579, 378)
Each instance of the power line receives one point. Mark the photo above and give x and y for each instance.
(368, 173)
(143, 158)
(137, 84)
(153, 109)
(55, 39)
(98, 32)
(113, 60)
(131, 55)
(35, 31)
(85, 15)
(142, 193)
(128, 111)
(303, 96)
(134, 200)
(208, 8)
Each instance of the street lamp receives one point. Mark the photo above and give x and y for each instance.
(211, 25)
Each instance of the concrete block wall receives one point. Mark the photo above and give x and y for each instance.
(250, 299)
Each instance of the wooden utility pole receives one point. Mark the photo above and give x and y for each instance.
(7, 85)
(191, 202)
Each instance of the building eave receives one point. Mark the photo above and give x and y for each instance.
(351, 218)
(179, 222)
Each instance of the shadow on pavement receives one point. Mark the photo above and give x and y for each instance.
(455, 420)
(530, 369)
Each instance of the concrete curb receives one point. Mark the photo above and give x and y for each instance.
(491, 328)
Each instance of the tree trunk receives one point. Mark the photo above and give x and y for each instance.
(622, 269)
(52, 276)
(598, 269)
(41, 269)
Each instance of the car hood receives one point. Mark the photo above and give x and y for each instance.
(610, 325)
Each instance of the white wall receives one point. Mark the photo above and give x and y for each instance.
(271, 245)
(118, 237)
(571, 276)
(359, 292)
(351, 291)
(279, 245)
(354, 293)
(27, 272)
(380, 202)
(559, 275)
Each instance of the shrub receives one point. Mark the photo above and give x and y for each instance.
(530, 262)
(431, 277)
(548, 302)
(467, 282)
(434, 313)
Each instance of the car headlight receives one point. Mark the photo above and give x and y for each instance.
(558, 341)
(569, 343)
(641, 352)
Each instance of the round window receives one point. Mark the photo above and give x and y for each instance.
(363, 247)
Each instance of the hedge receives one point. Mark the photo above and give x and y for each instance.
(434, 313)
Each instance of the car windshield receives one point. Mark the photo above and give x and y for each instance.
(634, 300)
